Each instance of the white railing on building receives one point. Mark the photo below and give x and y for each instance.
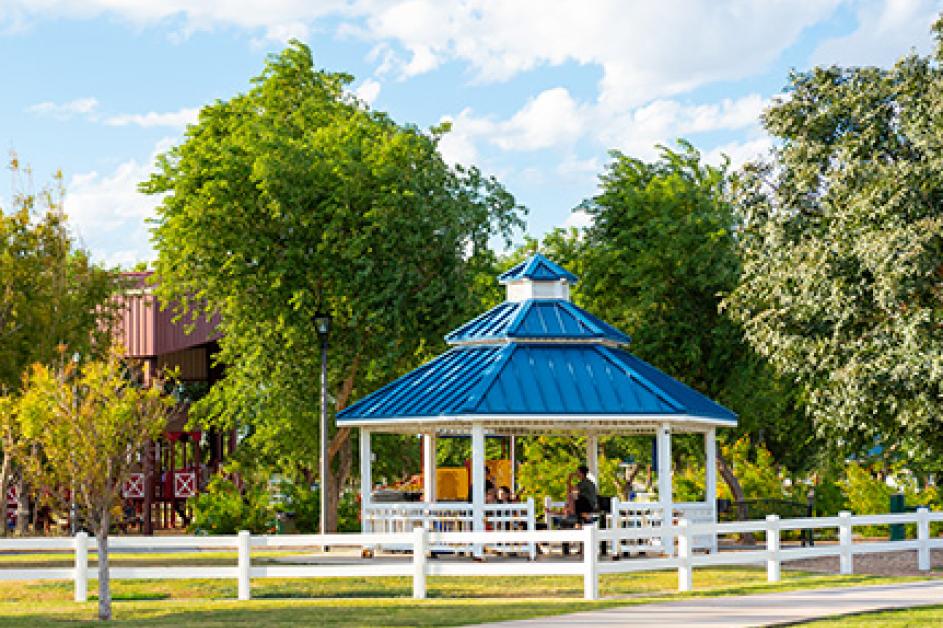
(422, 540)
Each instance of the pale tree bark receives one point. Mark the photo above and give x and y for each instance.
(104, 575)
(22, 506)
(6, 468)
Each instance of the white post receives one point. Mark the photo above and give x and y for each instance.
(773, 560)
(664, 487)
(685, 570)
(531, 527)
(923, 539)
(548, 519)
(81, 567)
(592, 456)
(615, 523)
(366, 478)
(710, 480)
(478, 481)
(844, 540)
(420, 546)
(513, 446)
(590, 574)
(428, 467)
(245, 592)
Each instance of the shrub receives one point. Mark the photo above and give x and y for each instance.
(224, 509)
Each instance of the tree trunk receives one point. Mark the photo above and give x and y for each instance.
(339, 450)
(104, 575)
(5, 470)
(737, 491)
(22, 507)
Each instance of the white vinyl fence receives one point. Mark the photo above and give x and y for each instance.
(421, 540)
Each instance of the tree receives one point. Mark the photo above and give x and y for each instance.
(51, 294)
(656, 262)
(293, 198)
(842, 247)
(83, 428)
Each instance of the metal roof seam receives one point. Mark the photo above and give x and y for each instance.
(488, 377)
(655, 390)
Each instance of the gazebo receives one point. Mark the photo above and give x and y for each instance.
(536, 364)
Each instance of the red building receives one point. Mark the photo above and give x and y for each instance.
(177, 466)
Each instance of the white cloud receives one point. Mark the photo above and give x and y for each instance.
(63, 111)
(579, 219)
(886, 31)
(740, 152)
(553, 119)
(108, 214)
(179, 118)
(646, 50)
(368, 91)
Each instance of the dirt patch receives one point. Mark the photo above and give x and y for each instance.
(902, 563)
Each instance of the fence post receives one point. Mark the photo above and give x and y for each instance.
(244, 563)
(923, 539)
(590, 574)
(420, 546)
(685, 575)
(845, 565)
(547, 518)
(81, 567)
(615, 545)
(773, 561)
(531, 527)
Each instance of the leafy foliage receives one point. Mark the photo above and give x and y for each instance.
(842, 242)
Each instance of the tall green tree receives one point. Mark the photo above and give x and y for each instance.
(51, 295)
(842, 247)
(292, 198)
(658, 258)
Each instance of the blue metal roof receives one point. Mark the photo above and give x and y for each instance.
(536, 318)
(535, 358)
(536, 380)
(537, 268)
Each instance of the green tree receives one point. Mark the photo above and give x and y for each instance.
(656, 262)
(51, 295)
(842, 248)
(292, 198)
(82, 429)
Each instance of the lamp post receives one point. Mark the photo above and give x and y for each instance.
(322, 323)
(73, 507)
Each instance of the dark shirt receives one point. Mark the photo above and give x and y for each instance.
(586, 492)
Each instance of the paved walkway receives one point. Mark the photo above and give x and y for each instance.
(751, 610)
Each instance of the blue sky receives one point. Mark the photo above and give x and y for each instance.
(538, 91)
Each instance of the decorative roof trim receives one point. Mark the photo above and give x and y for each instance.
(533, 267)
(453, 421)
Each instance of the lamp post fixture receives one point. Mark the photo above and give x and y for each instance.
(322, 323)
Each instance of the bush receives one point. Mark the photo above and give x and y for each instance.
(304, 502)
(224, 509)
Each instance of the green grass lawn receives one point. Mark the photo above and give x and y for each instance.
(915, 617)
(373, 601)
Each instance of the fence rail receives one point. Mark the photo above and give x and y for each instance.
(420, 541)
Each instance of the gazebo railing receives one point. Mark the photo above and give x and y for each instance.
(401, 517)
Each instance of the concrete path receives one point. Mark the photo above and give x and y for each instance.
(751, 610)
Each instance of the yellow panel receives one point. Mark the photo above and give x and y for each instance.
(451, 484)
(500, 472)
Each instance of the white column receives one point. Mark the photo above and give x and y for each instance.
(478, 477)
(665, 501)
(428, 467)
(513, 464)
(592, 456)
(710, 480)
(366, 479)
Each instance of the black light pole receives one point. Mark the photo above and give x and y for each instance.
(322, 323)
